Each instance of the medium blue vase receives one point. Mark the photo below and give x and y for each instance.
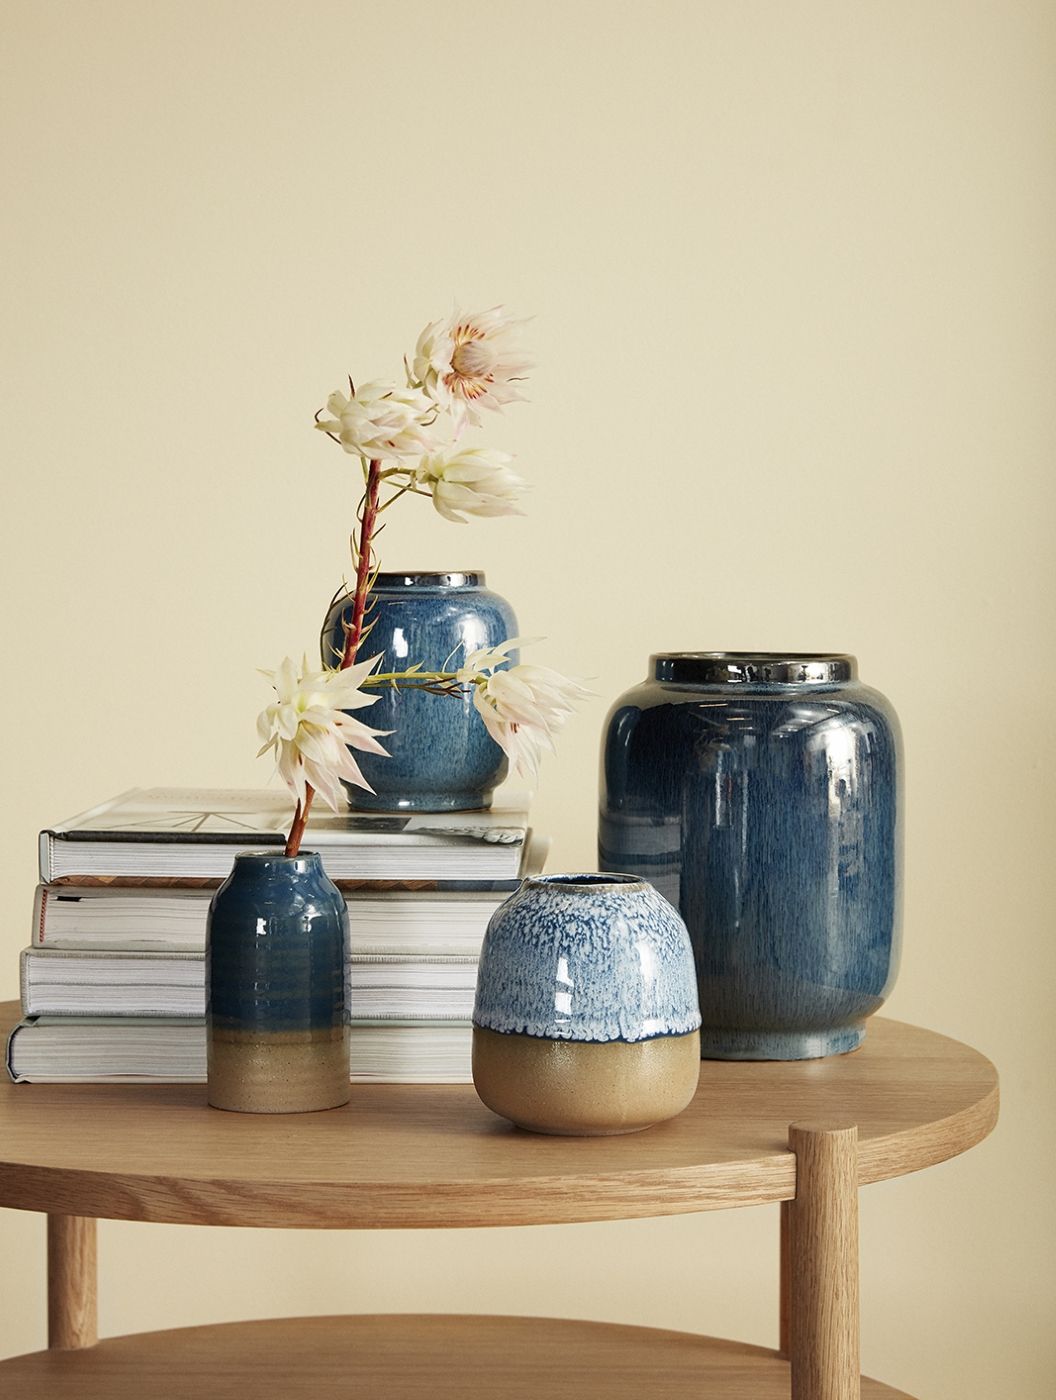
(276, 977)
(442, 758)
(586, 1015)
(762, 794)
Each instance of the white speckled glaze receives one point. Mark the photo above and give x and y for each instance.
(587, 957)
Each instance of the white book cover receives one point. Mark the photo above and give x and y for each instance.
(196, 832)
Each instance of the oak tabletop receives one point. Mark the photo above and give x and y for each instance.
(412, 1155)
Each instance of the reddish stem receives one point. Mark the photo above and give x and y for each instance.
(300, 818)
(354, 635)
(367, 521)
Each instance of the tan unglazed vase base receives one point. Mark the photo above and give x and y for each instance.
(579, 1089)
(285, 1072)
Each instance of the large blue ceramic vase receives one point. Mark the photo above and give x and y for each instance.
(442, 758)
(761, 794)
(276, 976)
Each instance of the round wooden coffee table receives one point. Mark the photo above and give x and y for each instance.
(419, 1156)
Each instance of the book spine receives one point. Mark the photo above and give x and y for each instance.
(44, 857)
(40, 906)
(23, 979)
(9, 1061)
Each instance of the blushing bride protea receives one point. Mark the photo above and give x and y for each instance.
(307, 725)
(410, 442)
(473, 480)
(380, 422)
(472, 361)
(522, 706)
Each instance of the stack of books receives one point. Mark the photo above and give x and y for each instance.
(113, 982)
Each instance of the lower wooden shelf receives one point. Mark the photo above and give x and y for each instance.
(402, 1356)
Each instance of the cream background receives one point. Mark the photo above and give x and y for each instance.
(792, 271)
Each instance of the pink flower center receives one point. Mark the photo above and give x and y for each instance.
(474, 359)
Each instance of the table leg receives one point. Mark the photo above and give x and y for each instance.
(71, 1283)
(822, 1261)
(785, 1304)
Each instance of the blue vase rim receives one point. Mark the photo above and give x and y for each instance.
(261, 861)
(586, 882)
(753, 667)
(417, 578)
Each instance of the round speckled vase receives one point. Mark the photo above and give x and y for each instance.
(441, 758)
(586, 1019)
(761, 793)
(276, 977)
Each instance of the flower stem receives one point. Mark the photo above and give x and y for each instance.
(300, 817)
(407, 678)
(402, 491)
(368, 517)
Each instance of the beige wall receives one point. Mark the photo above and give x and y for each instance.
(793, 278)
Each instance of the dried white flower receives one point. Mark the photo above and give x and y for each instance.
(472, 361)
(473, 480)
(380, 421)
(522, 706)
(307, 727)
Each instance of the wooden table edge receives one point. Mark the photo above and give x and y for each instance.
(307, 1348)
(764, 1177)
(470, 1204)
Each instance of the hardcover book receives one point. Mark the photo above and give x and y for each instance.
(56, 983)
(178, 834)
(82, 918)
(124, 1050)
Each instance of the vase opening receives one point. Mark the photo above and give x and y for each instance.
(754, 667)
(591, 882)
(273, 861)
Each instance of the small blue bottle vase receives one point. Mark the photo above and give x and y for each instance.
(586, 1016)
(277, 995)
(761, 793)
(442, 758)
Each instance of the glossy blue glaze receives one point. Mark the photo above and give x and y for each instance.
(442, 759)
(769, 813)
(586, 957)
(276, 956)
